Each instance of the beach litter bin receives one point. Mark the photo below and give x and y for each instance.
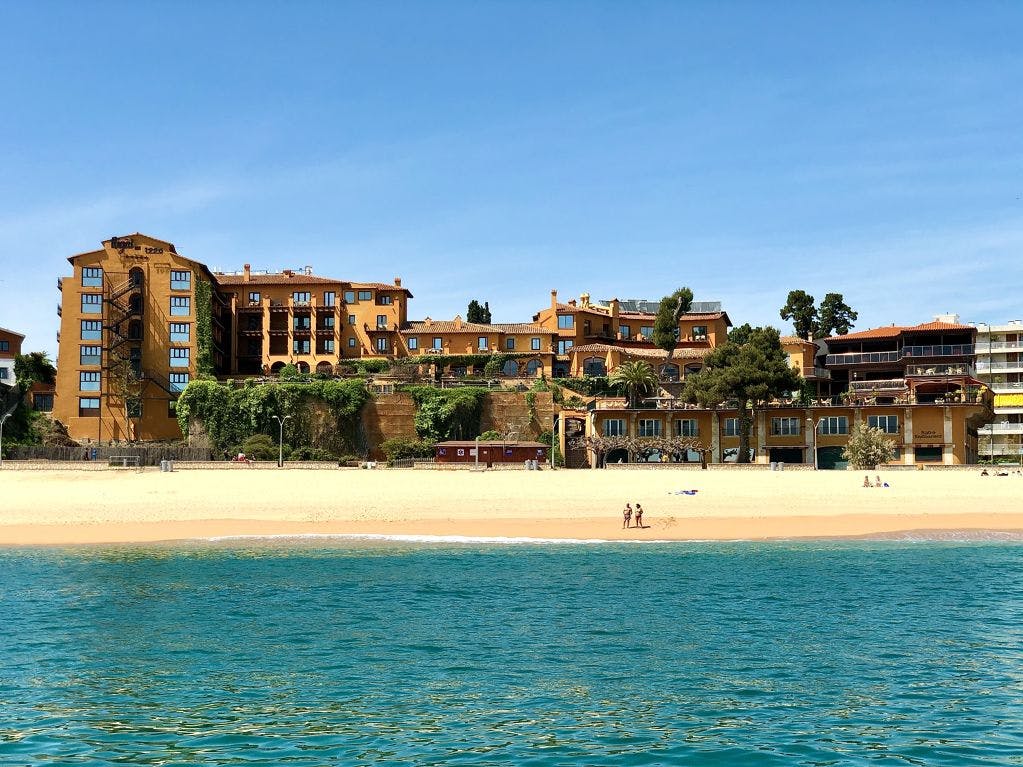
(774, 466)
(781, 465)
(163, 466)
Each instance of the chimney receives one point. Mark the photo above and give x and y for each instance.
(458, 321)
(248, 272)
(288, 273)
(584, 300)
(397, 282)
(615, 308)
(554, 300)
(308, 271)
(571, 302)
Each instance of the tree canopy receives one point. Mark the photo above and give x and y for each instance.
(32, 368)
(668, 314)
(868, 447)
(833, 315)
(749, 369)
(478, 313)
(636, 378)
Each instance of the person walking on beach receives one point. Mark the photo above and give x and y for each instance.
(626, 516)
(639, 515)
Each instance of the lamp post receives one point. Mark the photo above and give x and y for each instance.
(813, 430)
(2, 421)
(554, 438)
(280, 441)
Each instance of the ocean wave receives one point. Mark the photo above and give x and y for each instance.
(416, 538)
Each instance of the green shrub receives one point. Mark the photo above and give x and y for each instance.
(491, 435)
(289, 373)
(868, 448)
(259, 447)
(402, 447)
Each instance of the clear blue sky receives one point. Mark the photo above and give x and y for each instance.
(497, 150)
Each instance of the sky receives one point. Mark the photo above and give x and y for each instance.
(498, 150)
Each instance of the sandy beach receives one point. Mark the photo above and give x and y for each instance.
(64, 507)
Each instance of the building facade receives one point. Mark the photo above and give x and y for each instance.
(10, 347)
(1000, 366)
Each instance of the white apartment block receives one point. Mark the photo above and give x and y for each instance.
(1000, 366)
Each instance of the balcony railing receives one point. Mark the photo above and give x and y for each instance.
(887, 384)
(1011, 386)
(1001, 428)
(862, 358)
(939, 370)
(985, 366)
(941, 350)
(999, 346)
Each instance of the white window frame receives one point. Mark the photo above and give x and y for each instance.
(620, 429)
(650, 427)
(785, 426)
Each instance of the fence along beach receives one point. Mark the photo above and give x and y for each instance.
(68, 506)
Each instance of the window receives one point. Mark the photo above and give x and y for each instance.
(181, 280)
(5, 346)
(88, 407)
(889, 424)
(178, 381)
(482, 343)
(300, 297)
(300, 346)
(3, 373)
(90, 355)
(328, 322)
(365, 295)
(42, 402)
(92, 303)
(88, 381)
(328, 345)
(381, 320)
(699, 332)
(351, 319)
(785, 427)
(413, 344)
(564, 346)
(382, 345)
(180, 306)
(301, 322)
(566, 321)
(180, 332)
(179, 358)
(328, 298)
(731, 427)
(92, 277)
(384, 300)
(835, 424)
(438, 343)
(534, 344)
(349, 296)
(509, 344)
(687, 427)
(649, 427)
(254, 297)
(614, 427)
(92, 330)
(351, 343)
(647, 331)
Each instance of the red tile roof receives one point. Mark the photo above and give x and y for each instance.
(276, 278)
(891, 331)
(684, 353)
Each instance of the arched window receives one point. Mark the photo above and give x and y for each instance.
(135, 304)
(511, 368)
(534, 366)
(276, 367)
(303, 368)
(669, 372)
(594, 366)
(324, 367)
(135, 277)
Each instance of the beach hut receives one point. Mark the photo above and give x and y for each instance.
(490, 452)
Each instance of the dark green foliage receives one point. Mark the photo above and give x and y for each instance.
(397, 448)
(637, 379)
(749, 370)
(259, 447)
(545, 438)
(666, 323)
(492, 368)
(443, 414)
(34, 367)
(477, 313)
(289, 373)
(468, 361)
(324, 414)
(835, 316)
(591, 386)
(491, 435)
(799, 307)
(203, 326)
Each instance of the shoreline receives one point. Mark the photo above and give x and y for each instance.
(68, 507)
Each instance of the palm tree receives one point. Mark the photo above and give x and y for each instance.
(637, 378)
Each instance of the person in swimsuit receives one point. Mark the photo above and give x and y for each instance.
(639, 515)
(627, 516)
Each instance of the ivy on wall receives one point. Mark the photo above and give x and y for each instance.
(443, 414)
(323, 414)
(203, 326)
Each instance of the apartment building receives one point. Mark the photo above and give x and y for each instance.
(593, 339)
(10, 347)
(530, 344)
(1000, 366)
(915, 383)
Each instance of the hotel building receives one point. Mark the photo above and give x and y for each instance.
(1000, 366)
(10, 347)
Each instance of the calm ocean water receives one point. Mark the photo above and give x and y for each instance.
(348, 653)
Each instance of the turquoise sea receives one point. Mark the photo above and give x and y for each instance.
(391, 653)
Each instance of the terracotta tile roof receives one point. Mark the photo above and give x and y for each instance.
(685, 353)
(380, 286)
(796, 340)
(891, 331)
(277, 278)
(522, 327)
(446, 326)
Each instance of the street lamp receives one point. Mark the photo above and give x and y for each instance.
(2, 420)
(554, 438)
(280, 442)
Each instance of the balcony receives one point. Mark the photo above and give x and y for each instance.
(1001, 428)
(885, 385)
(60, 311)
(862, 358)
(942, 350)
(999, 346)
(939, 370)
(60, 284)
(815, 372)
(1012, 386)
(984, 366)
